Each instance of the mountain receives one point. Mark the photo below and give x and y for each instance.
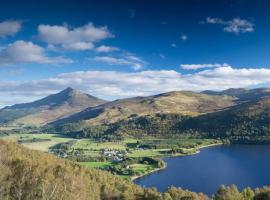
(242, 94)
(50, 108)
(243, 122)
(182, 103)
(242, 119)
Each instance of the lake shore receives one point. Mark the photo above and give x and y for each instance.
(150, 172)
(176, 155)
(206, 146)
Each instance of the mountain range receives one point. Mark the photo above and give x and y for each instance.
(218, 113)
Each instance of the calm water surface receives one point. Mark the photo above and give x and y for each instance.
(243, 165)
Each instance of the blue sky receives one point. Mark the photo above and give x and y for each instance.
(116, 49)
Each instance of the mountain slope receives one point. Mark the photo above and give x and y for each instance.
(242, 94)
(185, 103)
(182, 103)
(50, 108)
(251, 119)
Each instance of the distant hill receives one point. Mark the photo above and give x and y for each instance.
(218, 114)
(243, 123)
(246, 121)
(183, 102)
(242, 94)
(177, 113)
(127, 116)
(48, 109)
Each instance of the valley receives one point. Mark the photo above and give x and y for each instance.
(130, 138)
(128, 158)
(134, 100)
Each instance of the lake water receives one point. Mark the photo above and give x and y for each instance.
(243, 165)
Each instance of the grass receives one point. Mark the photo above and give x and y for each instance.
(141, 168)
(88, 144)
(42, 146)
(149, 153)
(96, 164)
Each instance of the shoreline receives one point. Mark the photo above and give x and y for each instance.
(205, 146)
(165, 164)
(133, 178)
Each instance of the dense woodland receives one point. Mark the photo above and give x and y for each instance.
(138, 126)
(245, 123)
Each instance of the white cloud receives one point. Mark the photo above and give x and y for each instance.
(104, 48)
(236, 25)
(129, 60)
(202, 66)
(27, 52)
(10, 27)
(183, 37)
(78, 46)
(113, 85)
(80, 38)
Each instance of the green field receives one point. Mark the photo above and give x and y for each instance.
(91, 147)
(141, 168)
(88, 144)
(96, 164)
(42, 146)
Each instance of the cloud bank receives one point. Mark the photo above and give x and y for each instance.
(113, 84)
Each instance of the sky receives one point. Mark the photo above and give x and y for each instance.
(124, 48)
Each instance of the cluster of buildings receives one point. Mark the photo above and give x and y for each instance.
(115, 155)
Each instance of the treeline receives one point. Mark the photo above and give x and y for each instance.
(123, 168)
(246, 123)
(138, 126)
(27, 174)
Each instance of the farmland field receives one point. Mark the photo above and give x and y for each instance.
(52, 139)
(96, 164)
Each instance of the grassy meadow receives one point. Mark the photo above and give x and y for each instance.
(52, 139)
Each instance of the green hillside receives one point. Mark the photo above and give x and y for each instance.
(242, 94)
(243, 123)
(246, 122)
(181, 103)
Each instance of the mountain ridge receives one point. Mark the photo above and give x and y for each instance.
(182, 103)
(242, 94)
(69, 106)
(52, 107)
